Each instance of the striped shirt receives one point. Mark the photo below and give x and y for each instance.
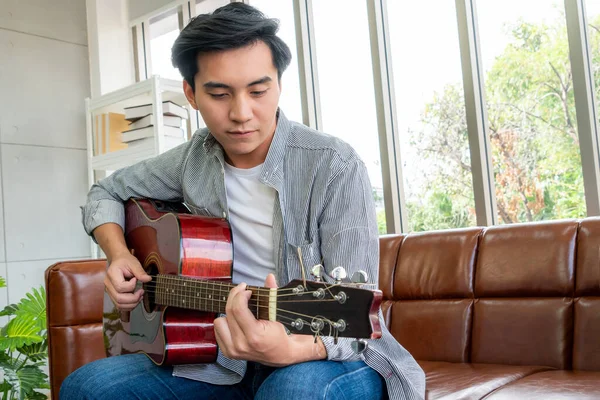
(323, 206)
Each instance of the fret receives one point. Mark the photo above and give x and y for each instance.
(201, 295)
(207, 295)
(257, 300)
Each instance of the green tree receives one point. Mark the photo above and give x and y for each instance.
(532, 127)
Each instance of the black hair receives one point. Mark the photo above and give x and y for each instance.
(233, 26)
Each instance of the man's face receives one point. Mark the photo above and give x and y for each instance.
(237, 94)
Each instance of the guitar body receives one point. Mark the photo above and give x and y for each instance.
(168, 240)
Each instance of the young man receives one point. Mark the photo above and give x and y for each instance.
(288, 191)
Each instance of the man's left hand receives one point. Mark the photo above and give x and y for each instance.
(241, 336)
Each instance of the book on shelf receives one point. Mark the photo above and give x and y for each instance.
(107, 130)
(134, 113)
(149, 120)
(169, 142)
(148, 132)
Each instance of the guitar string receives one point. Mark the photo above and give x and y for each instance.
(221, 291)
(183, 296)
(257, 305)
(154, 285)
(205, 281)
(179, 278)
(229, 286)
(224, 301)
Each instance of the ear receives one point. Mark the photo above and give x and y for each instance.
(189, 94)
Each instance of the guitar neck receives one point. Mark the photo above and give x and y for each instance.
(207, 295)
(302, 306)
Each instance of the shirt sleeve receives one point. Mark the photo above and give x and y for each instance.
(349, 236)
(158, 178)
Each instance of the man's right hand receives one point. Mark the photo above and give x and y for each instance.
(124, 270)
(122, 275)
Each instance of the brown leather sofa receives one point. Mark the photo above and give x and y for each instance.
(506, 312)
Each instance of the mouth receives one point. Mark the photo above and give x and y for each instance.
(241, 133)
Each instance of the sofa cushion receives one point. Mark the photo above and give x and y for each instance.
(587, 280)
(74, 293)
(74, 289)
(526, 331)
(436, 265)
(527, 260)
(433, 330)
(552, 385)
(586, 347)
(389, 246)
(71, 347)
(450, 381)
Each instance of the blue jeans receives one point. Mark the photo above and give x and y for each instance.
(134, 376)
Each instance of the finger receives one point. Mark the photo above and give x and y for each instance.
(116, 295)
(122, 300)
(270, 281)
(223, 336)
(118, 279)
(139, 272)
(244, 319)
(230, 311)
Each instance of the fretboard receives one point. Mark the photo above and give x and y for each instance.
(204, 295)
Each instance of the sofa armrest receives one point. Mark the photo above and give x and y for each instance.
(74, 303)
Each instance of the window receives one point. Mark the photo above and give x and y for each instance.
(434, 143)
(164, 29)
(531, 110)
(346, 83)
(593, 19)
(290, 101)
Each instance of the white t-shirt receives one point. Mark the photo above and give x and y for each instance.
(250, 206)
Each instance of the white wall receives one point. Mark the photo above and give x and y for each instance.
(140, 8)
(44, 78)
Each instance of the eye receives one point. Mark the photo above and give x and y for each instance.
(217, 95)
(258, 93)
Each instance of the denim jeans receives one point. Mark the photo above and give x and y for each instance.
(134, 376)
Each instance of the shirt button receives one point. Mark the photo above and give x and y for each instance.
(224, 214)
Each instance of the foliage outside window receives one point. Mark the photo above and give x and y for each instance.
(531, 115)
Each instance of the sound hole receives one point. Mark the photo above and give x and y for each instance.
(150, 289)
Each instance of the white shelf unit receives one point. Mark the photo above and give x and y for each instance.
(151, 91)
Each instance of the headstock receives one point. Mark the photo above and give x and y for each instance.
(321, 308)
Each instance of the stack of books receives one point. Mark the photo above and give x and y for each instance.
(142, 121)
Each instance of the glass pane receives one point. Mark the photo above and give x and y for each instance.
(346, 84)
(164, 29)
(283, 10)
(207, 6)
(531, 110)
(436, 163)
(593, 18)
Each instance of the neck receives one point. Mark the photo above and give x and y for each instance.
(205, 295)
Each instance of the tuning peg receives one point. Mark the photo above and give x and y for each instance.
(360, 277)
(338, 274)
(359, 346)
(317, 272)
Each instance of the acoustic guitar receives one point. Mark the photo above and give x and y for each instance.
(190, 259)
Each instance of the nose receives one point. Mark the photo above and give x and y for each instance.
(241, 110)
